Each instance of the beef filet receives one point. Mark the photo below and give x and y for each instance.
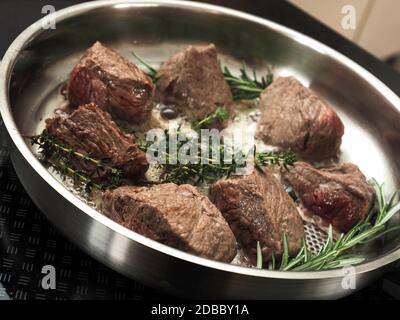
(293, 117)
(258, 209)
(338, 195)
(178, 216)
(91, 131)
(112, 82)
(192, 82)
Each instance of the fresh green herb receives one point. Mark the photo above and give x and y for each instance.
(220, 114)
(334, 253)
(271, 264)
(217, 166)
(77, 175)
(285, 255)
(199, 173)
(284, 159)
(151, 72)
(259, 256)
(245, 87)
(61, 158)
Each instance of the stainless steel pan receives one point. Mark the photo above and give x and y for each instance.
(40, 59)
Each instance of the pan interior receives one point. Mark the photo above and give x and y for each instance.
(372, 123)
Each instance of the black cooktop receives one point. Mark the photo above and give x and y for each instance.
(28, 241)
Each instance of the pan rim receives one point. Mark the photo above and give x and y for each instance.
(19, 43)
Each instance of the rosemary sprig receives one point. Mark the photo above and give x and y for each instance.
(245, 87)
(220, 114)
(334, 253)
(60, 157)
(151, 72)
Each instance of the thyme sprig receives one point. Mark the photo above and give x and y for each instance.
(60, 157)
(210, 172)
(220, 114)
(76, 175)
(334, 254)
(217, 164)
(245, 87)
(284, 159)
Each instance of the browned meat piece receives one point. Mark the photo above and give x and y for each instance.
(192, 82)
(178, 216)
(91, 131)
(116, 85)
(338, 195)
(294, 117)
(258, 209)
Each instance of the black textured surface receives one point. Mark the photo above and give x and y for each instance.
(28, 241)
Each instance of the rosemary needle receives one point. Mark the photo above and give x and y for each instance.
(151, 72)
(259, 256)
(246, 87)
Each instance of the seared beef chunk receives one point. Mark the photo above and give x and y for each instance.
(178, 216)
(338, 195)
(192, 82)
(258, 209)
(294, 117)
(112, 82)
(91, 131)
